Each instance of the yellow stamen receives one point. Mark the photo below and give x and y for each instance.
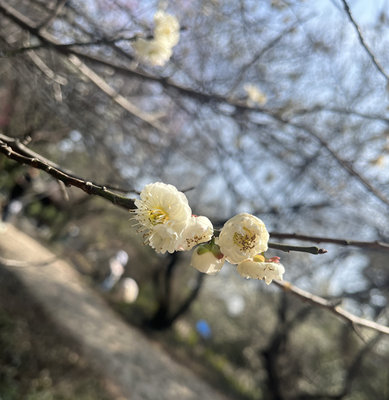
(246, 241)
(259, 258)
(158, 216)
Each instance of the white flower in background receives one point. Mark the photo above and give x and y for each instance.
(207, 259)
(163, 213)
(151, 51)
(167, 28)
(254, 94)
(242, 237)
(257, 269)
(157, 51)
(199, 230)
(127, 291)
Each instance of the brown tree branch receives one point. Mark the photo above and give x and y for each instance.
(97, 42)
(338, 110)
(375, 245)
(28, 25)
(50, 19)
(23, 264)
(304, 249)
(243, 107)
(16, 151)
(344, 164)
(330, 306)
(9, 147)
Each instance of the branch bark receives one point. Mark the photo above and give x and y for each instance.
(10, 148)
(321, 302)
(304, 249)
(375, 245)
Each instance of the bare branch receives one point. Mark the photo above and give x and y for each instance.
(9, 147)
(97, 42)
(363, 42)
(22, 264)
(45, 69)
(330, 306)
(256, 57)
(114, 95)
(376, 245)
(347, 166)
(75, 57)
(336, 110)
(25, 23)
(50, 19)
(242, 106)
(288, 247)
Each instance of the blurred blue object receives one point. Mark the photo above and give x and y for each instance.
(203, 329)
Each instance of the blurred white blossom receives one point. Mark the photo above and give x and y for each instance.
(242, 237)
(127, 291)
(167, 28)
(157, 51)
(154, 52)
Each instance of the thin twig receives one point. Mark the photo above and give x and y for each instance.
(47, 71)
(375, 245)
(304, 249)
(50, 19)
(22, 264)
(25, 23)
(338, 110)
(363, 42)
(346, 165)
(104, 41)
(256, 57)
(8, 146)
(330, 306)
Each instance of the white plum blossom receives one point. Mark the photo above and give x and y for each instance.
(257, 269)
(158, 50)
(254, 95)
(207, 261)
(166, 221)
(163, 238)
(199, 230)
(242, 237)
(162, 213)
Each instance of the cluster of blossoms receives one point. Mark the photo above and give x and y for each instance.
(166, 221)
(158, 50)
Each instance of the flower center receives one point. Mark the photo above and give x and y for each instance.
(158, 216)
(245, 241)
